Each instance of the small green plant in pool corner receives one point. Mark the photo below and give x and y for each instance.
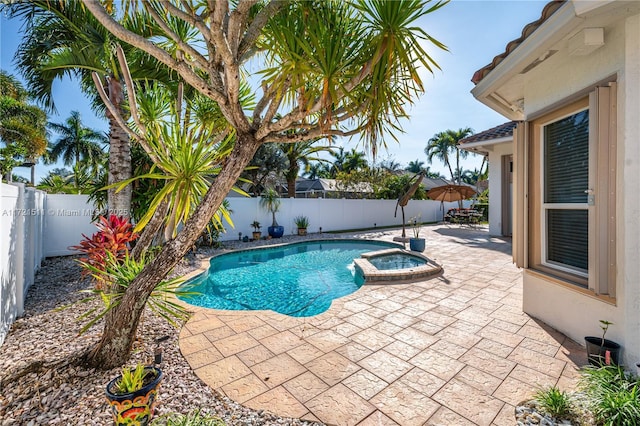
(554, 402)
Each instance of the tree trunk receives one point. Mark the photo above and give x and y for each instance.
(292, 175)
(150, 230)
(119, 202)
(114, 348)
(291, 188)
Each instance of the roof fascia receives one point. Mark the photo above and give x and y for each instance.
(483, 147)
(557, 26)
(486, 142)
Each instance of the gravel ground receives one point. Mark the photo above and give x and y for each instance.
(72, 395)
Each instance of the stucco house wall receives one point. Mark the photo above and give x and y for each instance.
(572, 312)
(551, 65)
(495, 186)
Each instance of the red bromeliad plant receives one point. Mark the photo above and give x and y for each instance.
(113, 238)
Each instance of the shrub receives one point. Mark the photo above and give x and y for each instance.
(613, 395)
(301, 221)
(118, 275)
(194, 418)
(112, 239)
(554, 402)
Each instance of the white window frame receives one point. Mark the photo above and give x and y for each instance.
(544, 207)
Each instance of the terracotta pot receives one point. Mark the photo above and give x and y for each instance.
(302, 231)
(134, 408)
(257, 235)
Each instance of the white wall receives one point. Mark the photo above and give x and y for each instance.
(628, 234)
(495, 186)
(21, 236)
(67, 217)
(574, 313)
(330, 214)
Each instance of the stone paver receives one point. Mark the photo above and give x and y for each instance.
(455, 349)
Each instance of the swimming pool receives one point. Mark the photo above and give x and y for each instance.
(300, 279)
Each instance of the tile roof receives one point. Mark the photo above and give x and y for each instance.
(548, 10)
(501, 131)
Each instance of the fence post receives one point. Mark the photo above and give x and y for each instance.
(20, 248)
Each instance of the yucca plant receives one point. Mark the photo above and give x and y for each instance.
(119, 274)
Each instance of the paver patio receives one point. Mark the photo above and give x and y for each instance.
(452, 350)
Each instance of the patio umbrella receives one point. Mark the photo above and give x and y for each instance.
(450, 193)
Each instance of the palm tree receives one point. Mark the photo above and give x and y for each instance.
(416, 166)
(354, 161)
(56, 184)
(22, 126)
(323, 80)
(390, 165)
(300, 153)
(317, 170)
(76, 142)
(443, 144)
(62, 38)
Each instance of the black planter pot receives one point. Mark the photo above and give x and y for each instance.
(597, 352)
(276, 231)
(134, 408)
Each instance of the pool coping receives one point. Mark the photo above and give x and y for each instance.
(372, 274)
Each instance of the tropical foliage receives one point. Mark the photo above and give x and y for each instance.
(110, 243)
(300, 154)
(22, 125)
(323, 80)
(445, 144)
(76, 143)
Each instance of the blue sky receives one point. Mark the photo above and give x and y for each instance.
(474, 31)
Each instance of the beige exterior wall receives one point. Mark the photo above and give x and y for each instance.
(571, 311)
(495, 186)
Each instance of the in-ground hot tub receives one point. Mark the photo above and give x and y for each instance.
(395, 265)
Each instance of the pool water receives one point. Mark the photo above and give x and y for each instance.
(298, 280)
(396, 261)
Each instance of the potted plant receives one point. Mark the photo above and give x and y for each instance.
(601, 351)
(302, 222)
(416, 243)
(271, 202)
(133, 393)
(256, 230)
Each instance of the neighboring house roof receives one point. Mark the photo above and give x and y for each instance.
(548, 10)
(498, 132)
(330, 185)
(430, 183)
(480, 142)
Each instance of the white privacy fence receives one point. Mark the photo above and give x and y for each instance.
(21, 235)
(35, 225)
(329, 214)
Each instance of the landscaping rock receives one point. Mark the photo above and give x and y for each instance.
(51, 392)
